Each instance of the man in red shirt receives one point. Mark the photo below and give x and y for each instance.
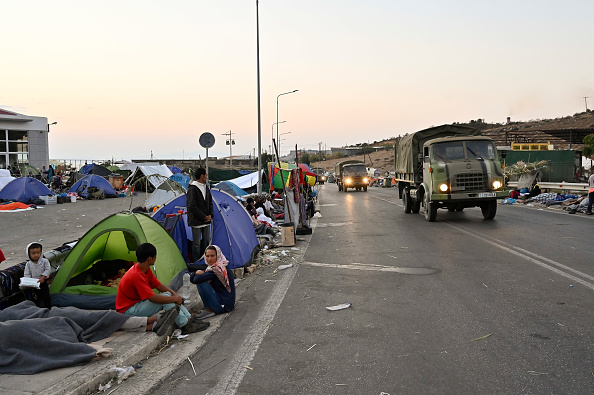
(136, 297)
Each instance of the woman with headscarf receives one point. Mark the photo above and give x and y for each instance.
(215, 283)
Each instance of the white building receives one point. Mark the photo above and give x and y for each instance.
(23, 139)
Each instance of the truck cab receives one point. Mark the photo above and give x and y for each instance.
(460, 172)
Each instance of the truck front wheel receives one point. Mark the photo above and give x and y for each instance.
(406, 201)
(365, 188)
(489, 209)
(430, 209)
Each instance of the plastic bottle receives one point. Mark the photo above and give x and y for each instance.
(186, 288)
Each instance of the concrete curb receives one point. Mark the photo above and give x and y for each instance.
(158, 367)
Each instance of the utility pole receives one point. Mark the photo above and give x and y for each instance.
(230, 142)
(319, 151)
(586, 100)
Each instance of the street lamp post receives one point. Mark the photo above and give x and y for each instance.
(279, 142)
(259, 184)
(286, 93)
(272, 133)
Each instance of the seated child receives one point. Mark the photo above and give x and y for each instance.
(38, 267)
(135, 295)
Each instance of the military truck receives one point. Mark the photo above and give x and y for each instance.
(320, 175)
(351, 173)
(451, 167)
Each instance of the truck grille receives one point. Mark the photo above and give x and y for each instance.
(469, 182)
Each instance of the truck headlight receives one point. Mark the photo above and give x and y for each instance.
(443, 187)
(496, 184)
(365, 180)
(348, 181)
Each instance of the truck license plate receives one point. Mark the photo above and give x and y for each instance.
(487, 194)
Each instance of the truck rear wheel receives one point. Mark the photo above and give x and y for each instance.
(489, 209)
(430, 209)
(416, 206)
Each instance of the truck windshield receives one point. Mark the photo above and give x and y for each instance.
(480, 150)
(463, 150)
(354, 170)
(448, 151)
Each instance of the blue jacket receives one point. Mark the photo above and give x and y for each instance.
(227, 298)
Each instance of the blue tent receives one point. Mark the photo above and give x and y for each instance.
(182, 179)
(92, 181)
(24, 190)
(232, 231)
(230, 188)
(175, 169)
(93, 168)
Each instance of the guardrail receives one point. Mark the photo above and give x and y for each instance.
(565, 186)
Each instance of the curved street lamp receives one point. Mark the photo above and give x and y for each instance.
(286, 93)
(272, 135)
(279, 142)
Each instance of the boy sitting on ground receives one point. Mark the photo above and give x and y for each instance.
(135, 295)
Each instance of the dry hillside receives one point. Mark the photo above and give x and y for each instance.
(535, 130)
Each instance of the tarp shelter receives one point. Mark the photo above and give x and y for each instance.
(248, 182)
(230, 188)
(94, 168)
(232, 228)
(81, 187)
(99, 251)
(24, 190)
(175, 169)
(182, 179)
(165, 192)
(5, 178)
(277, 180)
(217, 175)
(155, 175)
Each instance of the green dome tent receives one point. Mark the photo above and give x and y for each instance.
(115, 239)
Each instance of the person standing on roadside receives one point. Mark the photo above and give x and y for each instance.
(590, 194)
(200, 212)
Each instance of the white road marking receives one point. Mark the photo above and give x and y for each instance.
(231, 379)
(524, 254)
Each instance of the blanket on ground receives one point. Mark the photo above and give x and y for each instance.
(34, 339)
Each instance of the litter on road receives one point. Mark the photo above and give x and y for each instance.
(283, 267)
(339, 306)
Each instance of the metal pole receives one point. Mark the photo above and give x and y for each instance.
(207, 165)
(259, 187)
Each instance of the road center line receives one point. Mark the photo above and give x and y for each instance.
(522, 253)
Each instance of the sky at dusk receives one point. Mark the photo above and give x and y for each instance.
(124, 78)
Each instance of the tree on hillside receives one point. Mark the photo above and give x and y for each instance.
(304, 158)
(588, 150)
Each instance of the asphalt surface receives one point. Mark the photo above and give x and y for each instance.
(458, 306)
(56, 224)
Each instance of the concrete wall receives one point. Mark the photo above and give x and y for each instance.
(37, 135)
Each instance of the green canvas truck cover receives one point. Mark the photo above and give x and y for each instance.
(408, 148)
(339, 165)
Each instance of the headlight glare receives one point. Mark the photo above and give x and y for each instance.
(365, 180)
(496, 184)
(443, 187)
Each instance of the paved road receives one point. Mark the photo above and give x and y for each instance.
(460, 306)
(55, 224)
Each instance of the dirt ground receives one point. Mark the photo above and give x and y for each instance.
(55, 224)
